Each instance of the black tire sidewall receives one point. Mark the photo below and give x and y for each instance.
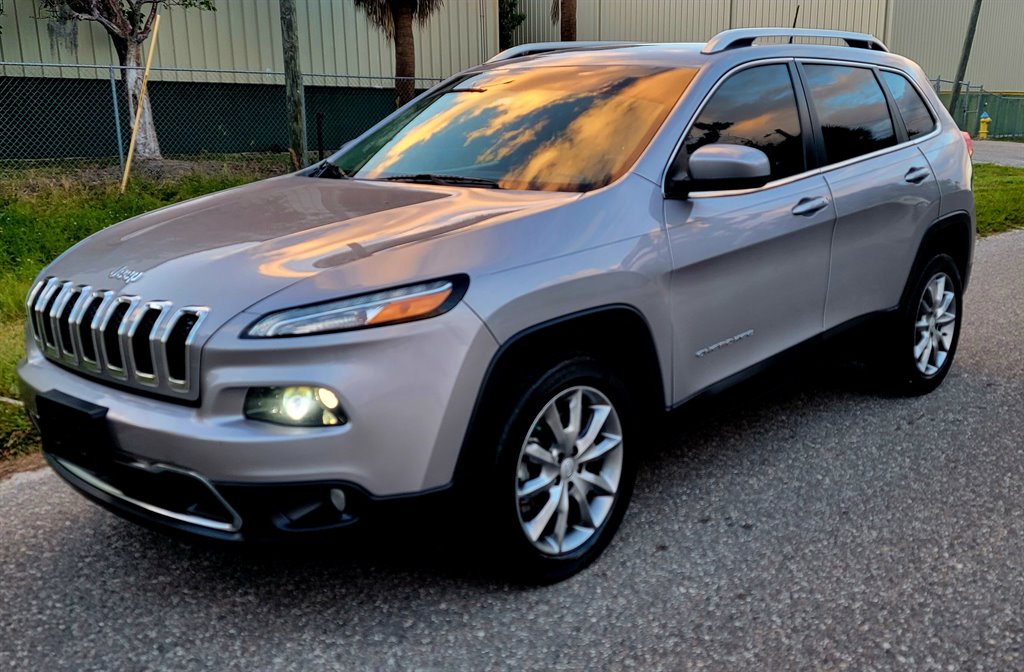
(522, 560)
(908, 378)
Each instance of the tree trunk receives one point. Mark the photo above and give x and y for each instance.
(147, 147)
(294, 91)
(405, 52)
(567, 24)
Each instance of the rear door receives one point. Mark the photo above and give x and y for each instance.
(884, 189)
(749, 268)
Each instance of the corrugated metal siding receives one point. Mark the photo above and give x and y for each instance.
(654, 20)
(697, 20)
(246, 35)
(932, 33)
(865, 16)
(537, 26)
(929, 31)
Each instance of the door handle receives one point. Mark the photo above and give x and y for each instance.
(809, 206)
(916, 175)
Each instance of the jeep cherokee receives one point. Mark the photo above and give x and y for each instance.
(488, 294)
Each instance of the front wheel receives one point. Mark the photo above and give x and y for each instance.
(564, 472)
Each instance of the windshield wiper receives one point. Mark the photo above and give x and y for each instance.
(444, 180)
(329, 170)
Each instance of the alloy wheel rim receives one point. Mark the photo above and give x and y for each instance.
(935, 325)
(569, 470)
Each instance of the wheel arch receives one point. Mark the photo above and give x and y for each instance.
(952, 234)
(600, 331)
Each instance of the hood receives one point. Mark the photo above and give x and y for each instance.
(230, 249)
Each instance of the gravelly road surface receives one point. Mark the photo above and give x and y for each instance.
(1000, 152)
(811, 526)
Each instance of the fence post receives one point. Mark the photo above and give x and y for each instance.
(117, 118)
(964, 105)
(320, 136)
(981, 100)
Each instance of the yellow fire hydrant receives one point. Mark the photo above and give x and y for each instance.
(983, 122)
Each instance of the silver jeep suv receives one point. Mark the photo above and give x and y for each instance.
(488, 297)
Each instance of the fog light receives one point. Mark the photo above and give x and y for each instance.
(338, 499)
(301, 405)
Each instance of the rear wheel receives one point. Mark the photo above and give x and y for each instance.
(918, 346)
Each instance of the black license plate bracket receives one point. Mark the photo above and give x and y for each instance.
(74, 429)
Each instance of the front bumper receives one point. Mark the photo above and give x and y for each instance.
(407, 389)
(236, 512)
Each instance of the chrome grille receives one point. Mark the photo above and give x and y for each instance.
(122, 339)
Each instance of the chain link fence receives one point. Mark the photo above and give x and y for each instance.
(1005, 112)
(66, 117)
(62, 117)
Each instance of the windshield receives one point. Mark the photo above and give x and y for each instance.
(569, 128)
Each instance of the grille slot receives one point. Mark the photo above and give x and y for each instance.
(44, 317)
(141, 350)
(64, 322)
(119, 339)
(111, 339)
(85, 334)
(177, 346)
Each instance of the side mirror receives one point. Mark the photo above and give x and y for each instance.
(720, 167)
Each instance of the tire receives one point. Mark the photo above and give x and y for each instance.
(538, 486)
(917, 346)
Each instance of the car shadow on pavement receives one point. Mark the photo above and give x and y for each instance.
(436, 552)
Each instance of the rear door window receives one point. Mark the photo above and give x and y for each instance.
(916, 116)
(852, 110)
(757, 108)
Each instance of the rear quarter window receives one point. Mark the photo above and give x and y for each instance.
(916, 115)
(852, 110)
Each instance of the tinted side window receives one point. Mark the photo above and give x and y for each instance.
(852, 111)
(755, 107)
(916, 116)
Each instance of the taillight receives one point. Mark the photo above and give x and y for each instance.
(970, 143)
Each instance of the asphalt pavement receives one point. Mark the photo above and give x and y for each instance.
(814, 525)
(1001, 152)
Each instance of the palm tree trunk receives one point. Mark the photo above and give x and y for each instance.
(567, 24)
(405, 52)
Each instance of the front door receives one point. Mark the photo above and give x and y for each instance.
(749, 268)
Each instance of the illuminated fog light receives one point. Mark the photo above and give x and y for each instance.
(298, 402)
(299, 405)
(328, 398)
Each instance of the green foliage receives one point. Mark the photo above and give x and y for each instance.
(42, 216)
(997, 194)
(124, 19)
(509, 18)
(16, 434)
(41, 219)
(381, 13)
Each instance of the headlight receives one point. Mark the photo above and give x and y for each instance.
(302, 406)
(413, 302)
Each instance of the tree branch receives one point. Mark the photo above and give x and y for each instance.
(97, 17)
(144, 33)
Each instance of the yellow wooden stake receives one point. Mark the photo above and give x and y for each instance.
(139, 105)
